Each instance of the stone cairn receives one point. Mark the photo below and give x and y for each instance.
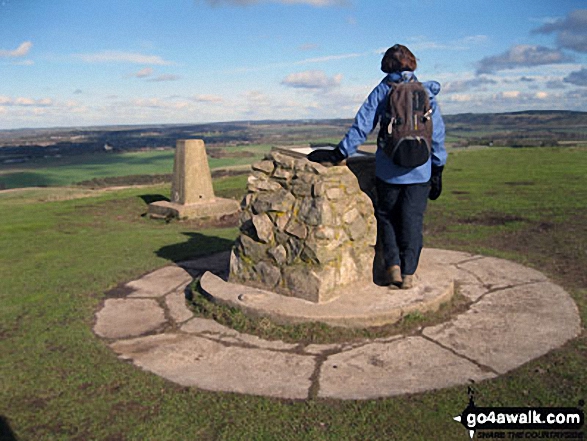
(305, 229)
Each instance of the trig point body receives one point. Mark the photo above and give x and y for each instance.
(192, 194)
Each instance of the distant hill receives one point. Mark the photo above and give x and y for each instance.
(531, 119)
(515, 129)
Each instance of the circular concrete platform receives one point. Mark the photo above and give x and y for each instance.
(153, 328)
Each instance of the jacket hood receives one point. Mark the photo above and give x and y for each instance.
(432, 86)
(395, 77)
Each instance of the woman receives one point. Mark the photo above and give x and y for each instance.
(402, 192)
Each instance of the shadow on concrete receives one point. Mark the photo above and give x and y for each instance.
(6, 433)
(197, 245)
(364, 169)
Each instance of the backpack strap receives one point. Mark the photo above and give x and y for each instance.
(386, 120)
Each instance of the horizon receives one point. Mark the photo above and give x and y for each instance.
(269, 121)
(101, 63)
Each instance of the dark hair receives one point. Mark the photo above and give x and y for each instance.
(398, 58)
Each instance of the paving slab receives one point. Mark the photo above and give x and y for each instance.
(495, 272)
(253, 340)
(320, 349)
(196, 361)
(408, 365)
(465, 277)
(215, 331)
(199, 325)
(510, 327)
(442, 257)
(177, 307)
(472, 292)
(122, 318)
(159, 282)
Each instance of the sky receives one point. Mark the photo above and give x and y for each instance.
(100, 62)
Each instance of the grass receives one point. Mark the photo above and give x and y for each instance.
(73, 169)
(59, 254)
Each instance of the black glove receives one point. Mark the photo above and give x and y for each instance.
(436, 182)
(326, 156)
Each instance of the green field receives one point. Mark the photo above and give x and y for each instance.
(51, 172)
(61, 249)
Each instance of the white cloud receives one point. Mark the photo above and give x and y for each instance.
(23, 63)
(421, 42)
(147, 102)
(44, 102)
(122, 57)
(25, 101)
(318, 3)
(143, 73)
(158, 103)
(522, 56)
(308, 47)
(312, 79)
(514, 100)
(457, 86)
(208, 99)
(459, 98)
(20, 51)
(330, 58)
(314, 60)
(555, 84)
(571, 31)
(509, 94)
(473, 40)
(258, 98)
(315, 2)
(165, 77)
(147, 74)
(578, 78)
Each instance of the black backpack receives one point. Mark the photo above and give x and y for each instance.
(405, 133)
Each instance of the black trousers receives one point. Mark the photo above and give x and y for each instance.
(400, 216)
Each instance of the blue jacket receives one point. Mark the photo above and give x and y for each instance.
(369, 115)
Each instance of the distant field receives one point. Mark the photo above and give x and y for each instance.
(52, 172)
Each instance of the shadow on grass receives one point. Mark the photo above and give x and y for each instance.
(6, 433)
(150, 198)
(196, 245)
(26, 179)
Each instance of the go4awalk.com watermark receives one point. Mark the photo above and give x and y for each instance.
(522, 422)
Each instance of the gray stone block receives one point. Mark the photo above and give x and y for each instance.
(123, 318)
(402, 366)
(513, 326)
(159, 282)
(195, 361)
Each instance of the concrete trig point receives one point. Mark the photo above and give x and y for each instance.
(192, 195)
